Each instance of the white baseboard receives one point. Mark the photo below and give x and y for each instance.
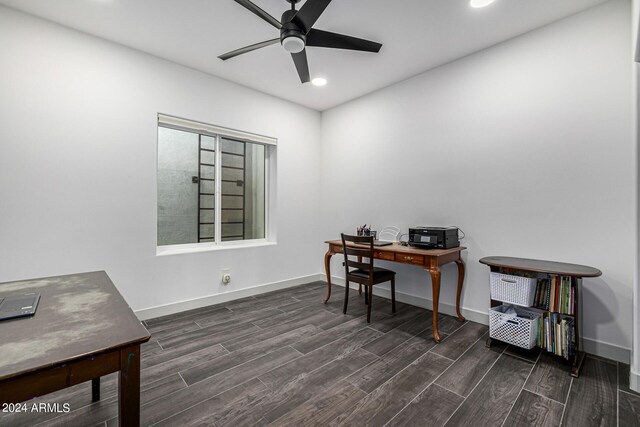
(634, 380)
(473, 315)
(177, 307)
(599, 348)
(606, 350)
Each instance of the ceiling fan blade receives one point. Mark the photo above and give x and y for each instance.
(246, 49)
(319, 38)
(302, 65)
(309, 13)
(261, 13)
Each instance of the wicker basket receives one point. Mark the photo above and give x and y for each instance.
(513, 289)
(521, 331)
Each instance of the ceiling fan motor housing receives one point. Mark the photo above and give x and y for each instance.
(292, 37)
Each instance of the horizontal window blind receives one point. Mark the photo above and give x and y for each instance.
(206, 129)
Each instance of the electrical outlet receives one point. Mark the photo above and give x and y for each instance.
(226, 276)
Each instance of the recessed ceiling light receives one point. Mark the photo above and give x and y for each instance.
(319, 81)
(480, 3)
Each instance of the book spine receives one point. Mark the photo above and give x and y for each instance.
(571, 300)
(561, 305)
(567, 290)
(569, 296)
(546, 331)
(564, 298)
(553, 334)
(559, 300)
(540, 322)
(563, 329)
(559, 346)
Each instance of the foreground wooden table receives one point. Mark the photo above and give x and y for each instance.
(83, 329)
(429, 259)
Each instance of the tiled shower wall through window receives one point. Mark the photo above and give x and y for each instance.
(177, 194)
(243, 189)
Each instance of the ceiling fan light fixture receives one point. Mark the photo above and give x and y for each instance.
(293, 44)
(480, 3)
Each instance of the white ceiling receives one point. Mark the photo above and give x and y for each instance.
(417, 35)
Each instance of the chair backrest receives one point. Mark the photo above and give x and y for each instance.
(363, 250)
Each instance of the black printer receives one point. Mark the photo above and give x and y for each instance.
(434, 237)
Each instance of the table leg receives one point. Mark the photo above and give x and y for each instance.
(460, 265)
(327, 270)
(576, 365)
(95, 389)
(359, 284)
(129, 387)
(435, 287)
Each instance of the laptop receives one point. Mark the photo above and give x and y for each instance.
(18, 306)
(381, 243)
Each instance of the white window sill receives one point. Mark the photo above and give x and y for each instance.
(202, 247)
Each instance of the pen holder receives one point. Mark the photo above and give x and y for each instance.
(368, 232)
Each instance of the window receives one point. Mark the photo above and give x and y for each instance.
(212, 184)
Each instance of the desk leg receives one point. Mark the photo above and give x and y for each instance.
(435, 287)
(360, 284)
(95, 389)
(129, 387)
(327, 270)
(460, 265)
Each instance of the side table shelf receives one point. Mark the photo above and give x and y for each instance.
(574, 271)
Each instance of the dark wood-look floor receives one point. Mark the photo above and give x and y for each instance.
(286, 359)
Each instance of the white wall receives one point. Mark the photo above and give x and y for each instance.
(526, 146)
(634, 379)
(78, 165)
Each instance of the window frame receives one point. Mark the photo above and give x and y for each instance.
(218, 133)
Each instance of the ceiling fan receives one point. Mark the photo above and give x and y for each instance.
(296, 33)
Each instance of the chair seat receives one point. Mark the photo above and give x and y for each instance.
(379, 274)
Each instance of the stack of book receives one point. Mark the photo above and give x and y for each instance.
(555, 294)
(556, 334)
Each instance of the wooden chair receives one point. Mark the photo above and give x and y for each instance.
(365, 273)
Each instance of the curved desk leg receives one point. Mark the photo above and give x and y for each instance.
(327, 270)
(435, 286)
(460, 265)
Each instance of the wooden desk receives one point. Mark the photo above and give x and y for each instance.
(83, 329)
(428, 259)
